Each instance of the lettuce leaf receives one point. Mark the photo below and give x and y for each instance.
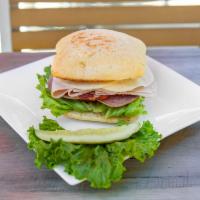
(99, 164)
(59, 107)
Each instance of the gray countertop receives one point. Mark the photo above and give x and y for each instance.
(173, 173)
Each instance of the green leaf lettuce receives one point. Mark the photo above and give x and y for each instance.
(99, 164)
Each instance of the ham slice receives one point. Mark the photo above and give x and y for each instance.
(76, 94)
(113, 94)
(142, 87)
(77, 88)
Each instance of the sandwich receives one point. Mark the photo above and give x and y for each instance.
(97, 75)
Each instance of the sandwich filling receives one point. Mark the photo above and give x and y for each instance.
(119, 101)
(112, 94)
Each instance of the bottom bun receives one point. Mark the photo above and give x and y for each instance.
(96, 117)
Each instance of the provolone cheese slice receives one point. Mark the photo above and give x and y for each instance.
(114, 86)
(129, 85)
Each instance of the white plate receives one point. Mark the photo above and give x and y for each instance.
(176, 105)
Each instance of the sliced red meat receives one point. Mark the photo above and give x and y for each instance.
(118, 100)
(88, 96)
(92, 97)
(49, 83)
(109, 100)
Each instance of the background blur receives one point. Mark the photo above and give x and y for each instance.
(36, 25)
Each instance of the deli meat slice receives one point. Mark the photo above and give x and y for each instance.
(112, 94)
(60, 87)
(118, 100)
(93, 95)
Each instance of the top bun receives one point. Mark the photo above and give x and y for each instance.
(99, 55)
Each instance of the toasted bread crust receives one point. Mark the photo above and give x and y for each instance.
(99, 55)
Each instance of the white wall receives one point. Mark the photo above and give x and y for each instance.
(5, 27)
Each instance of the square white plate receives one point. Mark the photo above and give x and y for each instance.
(176, 105)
